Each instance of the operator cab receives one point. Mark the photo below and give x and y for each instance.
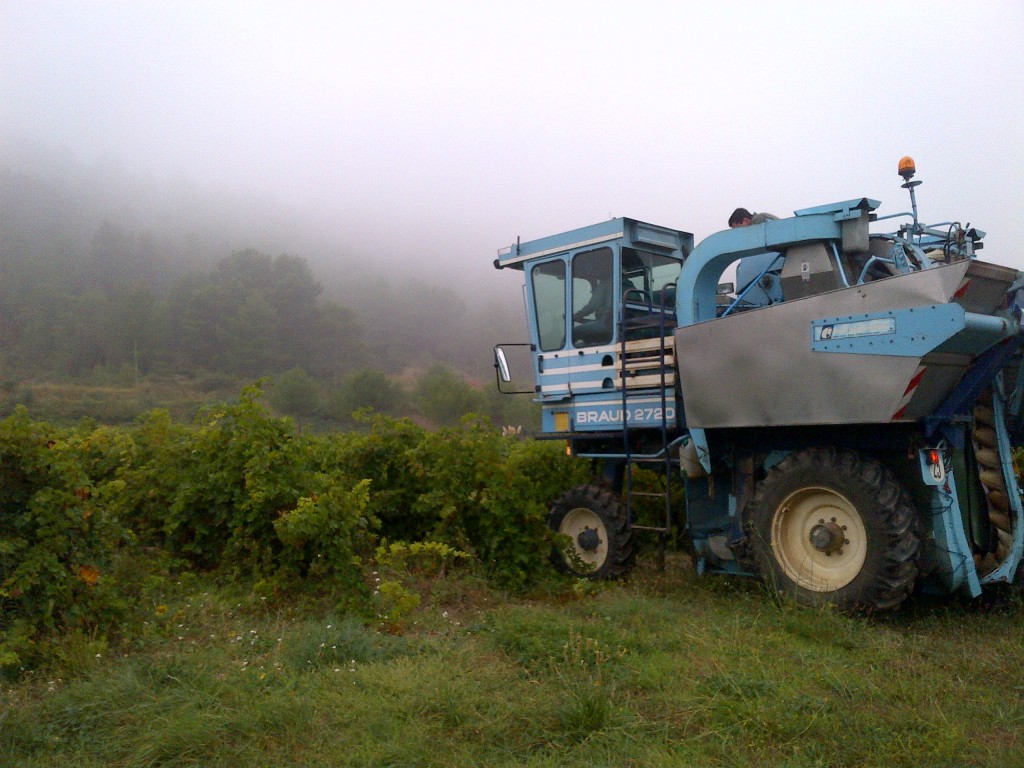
(597, 299)
(581, 285)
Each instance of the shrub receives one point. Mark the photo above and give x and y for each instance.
(385, 456)
(428, 558)
(404, 570)
(162, 449)
(490, 495)
(243, 468)
(240, 492)
(60, 534)
(325, 535)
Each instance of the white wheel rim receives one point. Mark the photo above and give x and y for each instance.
(581, 519)
(793, 526)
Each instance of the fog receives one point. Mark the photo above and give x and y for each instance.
(421, 137)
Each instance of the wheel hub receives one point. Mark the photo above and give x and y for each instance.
(589, 536)
(589, 540)
(827, 537)
(819, 539)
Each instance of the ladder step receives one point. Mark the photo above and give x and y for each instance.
(648, 354)
(654, 367)
(654, 528)
(648, 494)
(647, 362)
(641, 345)
(644, 382)
(641, 324)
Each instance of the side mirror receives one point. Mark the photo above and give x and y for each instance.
(503, 371)
(501, 364)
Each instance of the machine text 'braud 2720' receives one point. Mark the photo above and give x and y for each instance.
(842, 416)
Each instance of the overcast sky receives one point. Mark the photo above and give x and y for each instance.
(439, 131)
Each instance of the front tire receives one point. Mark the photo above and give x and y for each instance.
(600, 541)
(835, 527)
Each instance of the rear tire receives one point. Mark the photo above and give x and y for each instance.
(835, 527)
(594, 519)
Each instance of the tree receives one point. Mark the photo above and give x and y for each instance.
(249, 337)
(335, 343)
(444, 397)
(368, 388)
(256, 315)
(295, 394)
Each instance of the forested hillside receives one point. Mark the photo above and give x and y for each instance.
(251, 315)
(106, 281)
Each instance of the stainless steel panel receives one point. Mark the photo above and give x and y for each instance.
(986, 290)
(808, 270)
(757, 368)
(942, 372)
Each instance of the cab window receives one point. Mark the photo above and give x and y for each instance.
(549, 302)
(593, 308)
(650, 278)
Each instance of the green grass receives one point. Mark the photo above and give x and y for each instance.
(662, 670)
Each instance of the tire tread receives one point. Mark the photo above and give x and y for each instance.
(608, 506)
(897, 523)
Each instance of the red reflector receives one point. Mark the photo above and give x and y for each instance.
(933, 457)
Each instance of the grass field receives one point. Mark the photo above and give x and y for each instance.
(117, 400)
(662, 670)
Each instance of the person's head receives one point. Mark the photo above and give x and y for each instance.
(741, 217)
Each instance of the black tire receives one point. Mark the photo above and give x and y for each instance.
(835, 527)
(594, 518)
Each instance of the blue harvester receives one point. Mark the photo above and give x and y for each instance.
(842, 413)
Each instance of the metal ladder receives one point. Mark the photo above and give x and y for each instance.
(631, 367)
